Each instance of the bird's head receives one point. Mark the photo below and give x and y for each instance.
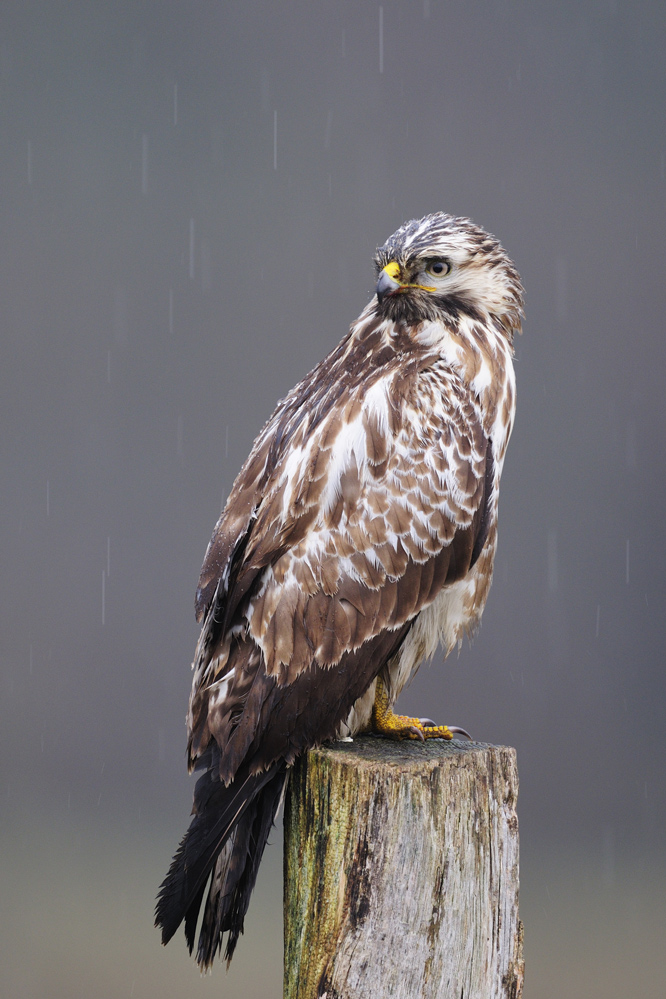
(440, 267)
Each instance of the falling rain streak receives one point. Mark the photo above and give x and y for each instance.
(144, 164)
(108, 366)
(191, 249)
(626, 573)
(170, 310)
(598, 618)
(48, 500)
(103, 597)
(175, 104)
(381, 39)
(552, 561)
(275, 140)
(29, 163)
(108, 557)
(179, 437)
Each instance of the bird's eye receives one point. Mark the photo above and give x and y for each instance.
(437, 268)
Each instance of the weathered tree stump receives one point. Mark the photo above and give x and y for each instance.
(401, 872)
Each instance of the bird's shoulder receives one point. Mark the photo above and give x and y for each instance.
(370, 374)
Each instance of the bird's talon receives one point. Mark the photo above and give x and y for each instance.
(393, 726)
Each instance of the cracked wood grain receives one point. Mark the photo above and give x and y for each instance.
(401, 872)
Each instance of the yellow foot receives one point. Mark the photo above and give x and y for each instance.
(385, 722)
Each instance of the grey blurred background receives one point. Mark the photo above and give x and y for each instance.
(191, 197)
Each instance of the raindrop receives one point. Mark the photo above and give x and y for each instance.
(144, 164)
(179, 438)
(48, 500)
(381, 39)
(330, 186)
(31, 659)
(103, 597)
(426, 10)
(275, 140)
(552, 561)
(108, 366)
(108, 557)
(626, 574)
(327, 130)
(226, 441)
(343, 47)
(598, 618)
(191, 249)
(170, 310)
(608, 857)
(30, 164)
(175, 103)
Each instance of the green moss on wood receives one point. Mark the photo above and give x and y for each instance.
(389, 848)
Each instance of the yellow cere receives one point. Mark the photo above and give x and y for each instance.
(393, 271)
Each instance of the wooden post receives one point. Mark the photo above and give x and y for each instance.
(401, 872)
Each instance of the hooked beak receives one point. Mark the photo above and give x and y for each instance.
(387, 285)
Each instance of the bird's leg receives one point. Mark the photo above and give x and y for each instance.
(385, 722)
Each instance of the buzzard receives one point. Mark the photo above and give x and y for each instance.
(359, 535)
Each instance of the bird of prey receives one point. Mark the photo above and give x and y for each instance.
(359, 535)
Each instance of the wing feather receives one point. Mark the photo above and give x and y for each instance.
(317, 557)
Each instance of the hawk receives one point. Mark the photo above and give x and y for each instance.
(359, 535)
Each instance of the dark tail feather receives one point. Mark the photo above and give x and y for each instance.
(235, 874)
(225, 842)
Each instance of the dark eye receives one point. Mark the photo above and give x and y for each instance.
(437, 268)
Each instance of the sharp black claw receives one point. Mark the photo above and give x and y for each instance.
(452, 728)
(460, 731)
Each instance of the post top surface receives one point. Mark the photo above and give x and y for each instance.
(373, 751)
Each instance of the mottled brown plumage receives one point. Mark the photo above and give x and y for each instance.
(359, 534)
